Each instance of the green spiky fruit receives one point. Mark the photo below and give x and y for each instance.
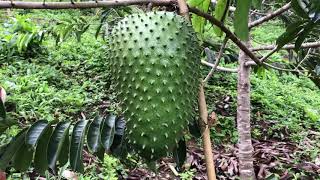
(155, 61)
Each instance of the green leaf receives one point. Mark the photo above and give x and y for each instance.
(220, 13)
(107, 132)
(295, 4)
(64, 153)
(241, 19)
(291, 33)
(197, 21)
(40, 157)
(76, 147)
(59, 135)
(303, 35)
(195, 3)
(22, 159)
(180, 153)
(35, 132)
(12, 148)
(93, 136)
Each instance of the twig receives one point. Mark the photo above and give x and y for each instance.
(174, 171)
(305, 58)
(224, 69)
(264, 58)
(79, 5)
(271, 15)
(216, 63)
(289, 46)
(205, 130)
(229, 34)
(252, 63)
(183, 9)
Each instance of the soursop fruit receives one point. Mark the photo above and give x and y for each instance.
(154, 59)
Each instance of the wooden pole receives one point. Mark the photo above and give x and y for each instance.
(205, 131)
(79, 5)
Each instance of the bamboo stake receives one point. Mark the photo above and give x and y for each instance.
(205, 131)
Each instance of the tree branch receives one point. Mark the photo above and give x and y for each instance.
(183, 8)
(224, 69)
(271, 15)
(79, 5)
(289, 46)
(229, 34)
(217, 60)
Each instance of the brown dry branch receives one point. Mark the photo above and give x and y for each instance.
(79, 5)
(270, 16)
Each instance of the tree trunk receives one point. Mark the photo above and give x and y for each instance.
(243, 119)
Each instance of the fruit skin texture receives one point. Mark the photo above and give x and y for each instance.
(154, 59)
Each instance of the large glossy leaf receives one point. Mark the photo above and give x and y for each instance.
(241, 19)
(40, 157)
(93, 136)
(220, 13)
(35, 132)
(107, 131)
(11, 149)
(180, 153)
(59, 135)
(76, 146)
(64, 153)
(23, 157)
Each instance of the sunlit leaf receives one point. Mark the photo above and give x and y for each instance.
(220, 13)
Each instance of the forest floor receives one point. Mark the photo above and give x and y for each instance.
(69, 80)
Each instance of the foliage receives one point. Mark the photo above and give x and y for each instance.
(53, 145)
(20, 36)
(308, 21)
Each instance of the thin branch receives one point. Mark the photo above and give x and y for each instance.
(216, 63)
(78, 5)
(305, 58)
(183, 9)
(289, 46)
(223, 69)
(271, 15)
(252, 63)
(264, 58)
(229, 34)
